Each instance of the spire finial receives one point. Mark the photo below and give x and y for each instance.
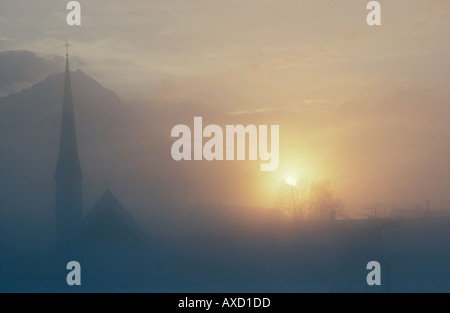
(67, 45)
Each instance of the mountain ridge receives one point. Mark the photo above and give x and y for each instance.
(53, 85)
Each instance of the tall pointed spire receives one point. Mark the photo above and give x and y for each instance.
(68, 174)
(68, 166)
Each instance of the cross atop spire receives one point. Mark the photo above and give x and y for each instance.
(67, 45)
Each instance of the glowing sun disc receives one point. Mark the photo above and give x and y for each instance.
(291, 181)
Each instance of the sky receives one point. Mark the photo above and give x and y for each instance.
(365, 108)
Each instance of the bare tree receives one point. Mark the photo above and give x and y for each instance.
(310, 200)
(323, 203)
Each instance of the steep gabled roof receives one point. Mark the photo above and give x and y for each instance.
(109, 221)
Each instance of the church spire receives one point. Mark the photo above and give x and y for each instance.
(68, 166)
(68, 175)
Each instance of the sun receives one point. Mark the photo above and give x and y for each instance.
(291, 181)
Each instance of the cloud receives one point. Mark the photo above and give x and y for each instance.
(250, 112)
(21, 69)
(318, 101)
(4, 38)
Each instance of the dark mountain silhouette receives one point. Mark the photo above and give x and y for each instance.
(20, 69)
(115, 146)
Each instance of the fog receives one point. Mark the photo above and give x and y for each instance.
(362, 113)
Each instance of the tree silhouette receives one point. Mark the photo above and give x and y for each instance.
(310, 200)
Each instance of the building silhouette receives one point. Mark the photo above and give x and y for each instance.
(68, 174)
(107, 240)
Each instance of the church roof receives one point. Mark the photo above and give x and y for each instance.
(109, 221)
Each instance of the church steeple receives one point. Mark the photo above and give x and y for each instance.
(68, 166)
(68, 174)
